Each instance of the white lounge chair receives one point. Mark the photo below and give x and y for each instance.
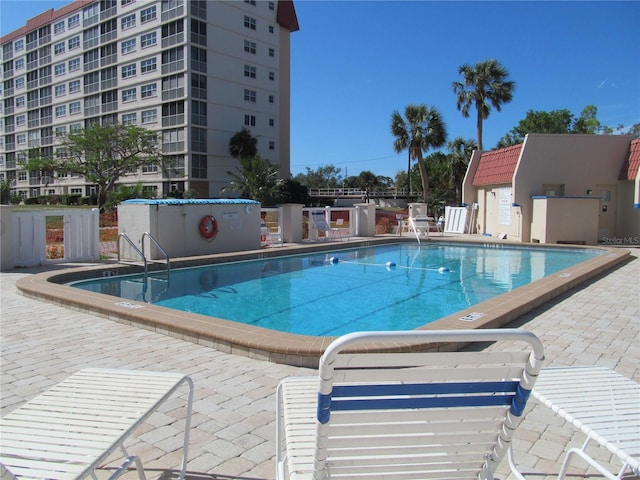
(420, 225)
(321, 225)
(401, 414)
(270, 236)
(603, 405)
(74, 427)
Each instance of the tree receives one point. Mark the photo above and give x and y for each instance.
(243, 144)
(255, 178)
(101, 154)
(326, 176)
(484, 85)
(588, 123)
(421, 128)
(555, 121)
(5, 192)
(457, 163)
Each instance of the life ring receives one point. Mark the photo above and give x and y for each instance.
(208, 227)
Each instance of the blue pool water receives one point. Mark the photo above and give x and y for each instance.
(390, 287)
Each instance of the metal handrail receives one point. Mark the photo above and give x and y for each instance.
(155, 242)
(136, 249)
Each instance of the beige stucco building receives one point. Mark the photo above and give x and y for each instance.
(558, 189)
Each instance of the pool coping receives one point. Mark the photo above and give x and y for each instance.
(295, 349)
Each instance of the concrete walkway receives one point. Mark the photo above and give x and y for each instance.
(233, 434)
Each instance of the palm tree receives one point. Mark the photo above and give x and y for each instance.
(421, 128)
(243, 144)
(256, 178)
(485, 85)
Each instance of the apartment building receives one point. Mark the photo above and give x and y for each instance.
(195, 71)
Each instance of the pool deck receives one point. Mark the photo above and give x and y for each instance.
(233, 435)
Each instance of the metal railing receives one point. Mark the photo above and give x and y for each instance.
(359, 193)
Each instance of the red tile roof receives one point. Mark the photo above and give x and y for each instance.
(631, 165)
(497, 166)
(44, 18)
(286, 15)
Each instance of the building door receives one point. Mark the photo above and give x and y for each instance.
(607, 211)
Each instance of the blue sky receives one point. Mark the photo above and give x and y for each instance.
(354, 62)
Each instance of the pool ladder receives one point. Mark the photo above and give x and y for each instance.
(141, 254)
(145, 261)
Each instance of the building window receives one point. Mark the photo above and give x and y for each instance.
(249, 95)
(75, 127)
(199, 113)
(249, 22)
(199, 59)
(173, 140)
(58, 48)
(250, 120)
(74, 86)
(271, 99)
(128, 46)
(198, 166)
(61, 90)
(74, 64)
(272, 145)
(272, 6)
(250, 47)
(148, 91)
(19, 82)
(199, 86)
(124, 3)
(129, 70)
(199, 139)
(129, 119)
(148, 65)
(272, 76)
(150, 169)
(148, 40)
(74, 42)
(18, 45)
(128, 22)
(272, 52)
(74, 108)
(21, 139)
(128, 95)
(61, 131)
(20, 120)
(20, 101)
(19, 63)
(60, 69)
(270, 28)
(198, 32)
(149, 116)
(73, 21)
(148, 14)
(58, 28)
(61, 110)
(249, 71)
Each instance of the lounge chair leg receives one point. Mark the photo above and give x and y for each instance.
(582, 454)
(512, 464)
(125, 465)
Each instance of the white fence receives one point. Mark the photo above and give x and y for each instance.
(25, 242)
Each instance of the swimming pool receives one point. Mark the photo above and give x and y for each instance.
(388, 287)
(248, 340)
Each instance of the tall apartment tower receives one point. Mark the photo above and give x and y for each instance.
(195, 71)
